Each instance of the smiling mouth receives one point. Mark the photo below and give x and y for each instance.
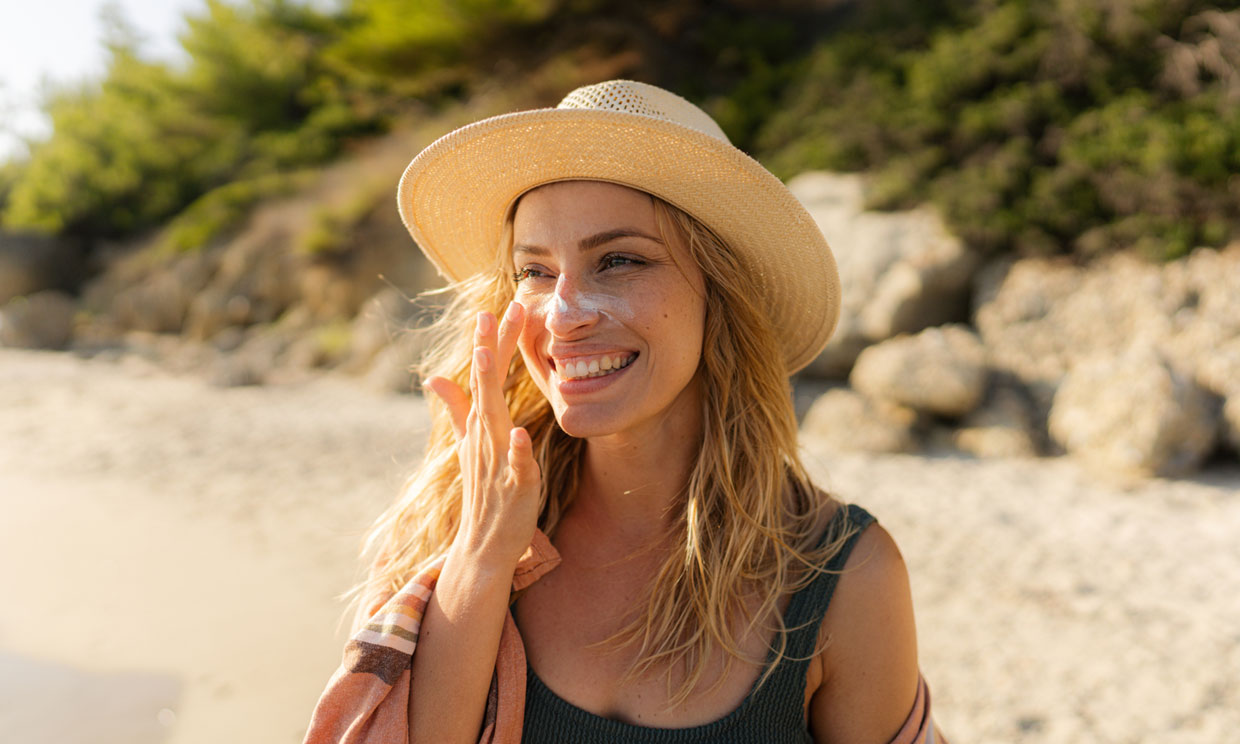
(600, 365)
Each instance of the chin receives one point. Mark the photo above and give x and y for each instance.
(583, 425)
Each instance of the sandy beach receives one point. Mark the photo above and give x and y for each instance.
(172, 554)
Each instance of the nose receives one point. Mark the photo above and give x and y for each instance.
(569, 309)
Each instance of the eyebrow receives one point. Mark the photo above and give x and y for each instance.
(590, 243)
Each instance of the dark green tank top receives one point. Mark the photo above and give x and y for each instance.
(772, 714)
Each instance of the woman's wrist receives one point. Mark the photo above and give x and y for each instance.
(482, 563)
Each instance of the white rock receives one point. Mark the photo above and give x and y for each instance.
(901, 271)
(941, 370)
(1002, 426)
(1231, 422)
(1040, 317)
(847, 420)
(1134, 415)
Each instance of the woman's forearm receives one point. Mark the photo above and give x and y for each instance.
(500, 487)
(456, 651)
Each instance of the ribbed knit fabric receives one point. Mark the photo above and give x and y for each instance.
(773, 714)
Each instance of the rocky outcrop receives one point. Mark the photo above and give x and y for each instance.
(940, 370)
(1039, 318)
(160, 300)
(1134, 414)
(1003, 425)
(901, 271)
(1231, 422)
(33, 263)
(391, 370)
(1129, 366)
(254, 281)
(43, 320)
(278, 261)
(847, 420)
(382, 320)
(1204, 333)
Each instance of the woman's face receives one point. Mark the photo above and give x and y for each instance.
(615, 317)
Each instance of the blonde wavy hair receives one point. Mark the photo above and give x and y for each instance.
(750, 521)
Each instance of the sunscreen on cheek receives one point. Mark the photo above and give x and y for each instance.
(614, 307)
(601, 303)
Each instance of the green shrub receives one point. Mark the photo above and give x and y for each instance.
(1040, 127)
(253, 100)
(1035, 127)
(223, 209)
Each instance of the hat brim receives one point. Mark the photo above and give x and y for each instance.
(455, 195)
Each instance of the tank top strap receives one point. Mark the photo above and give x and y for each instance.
(806, 609)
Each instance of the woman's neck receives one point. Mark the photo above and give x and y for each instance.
(632, 482)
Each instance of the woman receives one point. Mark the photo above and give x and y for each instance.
(632, 293)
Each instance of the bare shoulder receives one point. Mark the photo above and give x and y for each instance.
(869, 665)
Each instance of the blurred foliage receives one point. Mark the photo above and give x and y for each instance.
(221, 209)
(255, 98)
(1078, 126)
(271, 87)
(760, 57)
(9, 174)
(332, 225)
(333, 339)
(392, 45)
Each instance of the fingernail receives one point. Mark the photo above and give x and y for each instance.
(481, 359)
(511, 313)
(484, 323)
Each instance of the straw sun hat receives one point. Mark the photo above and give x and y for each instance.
(455, 195)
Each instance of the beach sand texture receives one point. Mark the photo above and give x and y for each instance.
(171, 553)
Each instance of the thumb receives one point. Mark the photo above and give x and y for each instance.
(521, 458)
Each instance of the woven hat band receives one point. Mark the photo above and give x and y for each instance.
(631, 97)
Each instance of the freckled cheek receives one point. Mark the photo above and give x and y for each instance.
(678, 305)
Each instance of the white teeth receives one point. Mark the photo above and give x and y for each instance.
(595, 367)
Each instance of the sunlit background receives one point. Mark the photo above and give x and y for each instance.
(59, 43)
(205, 289)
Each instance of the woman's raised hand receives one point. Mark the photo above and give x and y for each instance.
(499, 507)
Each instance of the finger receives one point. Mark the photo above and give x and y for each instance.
(484, 331)
(521, 457)
(484, 339)
(490, 406)
(509, 331)
(489, 403)
(454, 398)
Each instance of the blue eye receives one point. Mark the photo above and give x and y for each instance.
(612, 260)
(526, 273)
